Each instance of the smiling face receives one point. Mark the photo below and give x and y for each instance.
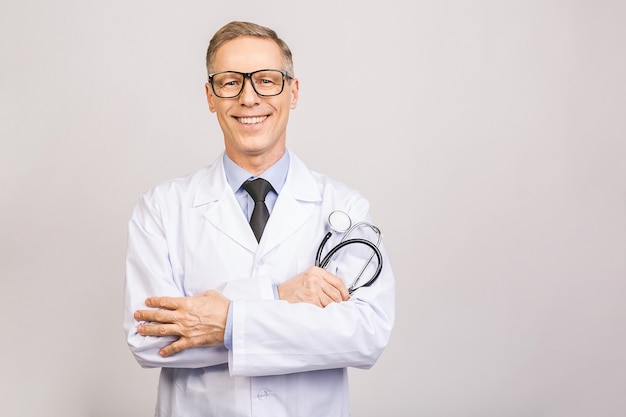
(254, 127)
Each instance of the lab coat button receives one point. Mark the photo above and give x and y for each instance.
(262, 395)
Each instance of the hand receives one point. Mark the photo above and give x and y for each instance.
(199, 320)
(315, 286)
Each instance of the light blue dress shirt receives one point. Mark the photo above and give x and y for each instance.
(236, 176)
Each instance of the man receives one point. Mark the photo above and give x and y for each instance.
(239, 320)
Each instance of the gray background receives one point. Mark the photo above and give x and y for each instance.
(488, 135)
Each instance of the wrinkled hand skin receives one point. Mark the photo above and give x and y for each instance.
(315, 286)
(198, 320)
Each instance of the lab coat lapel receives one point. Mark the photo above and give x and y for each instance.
(294, 206)
(222, 209)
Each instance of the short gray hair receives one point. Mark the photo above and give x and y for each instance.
(237, 29)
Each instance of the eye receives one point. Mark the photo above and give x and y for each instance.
(267, 79)
(230, 83)
(227, 81)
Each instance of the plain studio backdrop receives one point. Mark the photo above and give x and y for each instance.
(489, 137)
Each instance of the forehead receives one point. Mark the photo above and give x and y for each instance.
(247, 54)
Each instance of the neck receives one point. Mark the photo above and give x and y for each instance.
(256, 164)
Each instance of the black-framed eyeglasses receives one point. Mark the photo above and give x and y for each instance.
(265, 82)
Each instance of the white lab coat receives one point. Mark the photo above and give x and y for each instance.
(189, 235)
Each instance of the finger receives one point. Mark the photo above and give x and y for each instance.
(341, 287)
(329, 284)
(157, 316)
(177, 346)
(343, 290)
(338, 285)
(330, 292)
(325, 300)
(171, 303)
(158, 330)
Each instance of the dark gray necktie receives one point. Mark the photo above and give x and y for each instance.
(258, 189)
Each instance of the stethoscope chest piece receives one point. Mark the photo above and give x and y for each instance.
(339, 221)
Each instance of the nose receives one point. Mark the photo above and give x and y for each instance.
(248, 96)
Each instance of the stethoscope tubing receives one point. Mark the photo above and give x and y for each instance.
(323, 262)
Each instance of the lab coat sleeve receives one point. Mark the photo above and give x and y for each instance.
(273, 338)
(149, 273)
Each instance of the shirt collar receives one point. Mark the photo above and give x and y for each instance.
(276, 174)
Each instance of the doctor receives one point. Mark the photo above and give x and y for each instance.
(243, 324)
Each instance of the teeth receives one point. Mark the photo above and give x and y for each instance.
(252, 120)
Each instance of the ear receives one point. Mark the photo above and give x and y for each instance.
(209, 97)
(295, 86)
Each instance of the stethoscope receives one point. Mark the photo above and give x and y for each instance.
(340, 222)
